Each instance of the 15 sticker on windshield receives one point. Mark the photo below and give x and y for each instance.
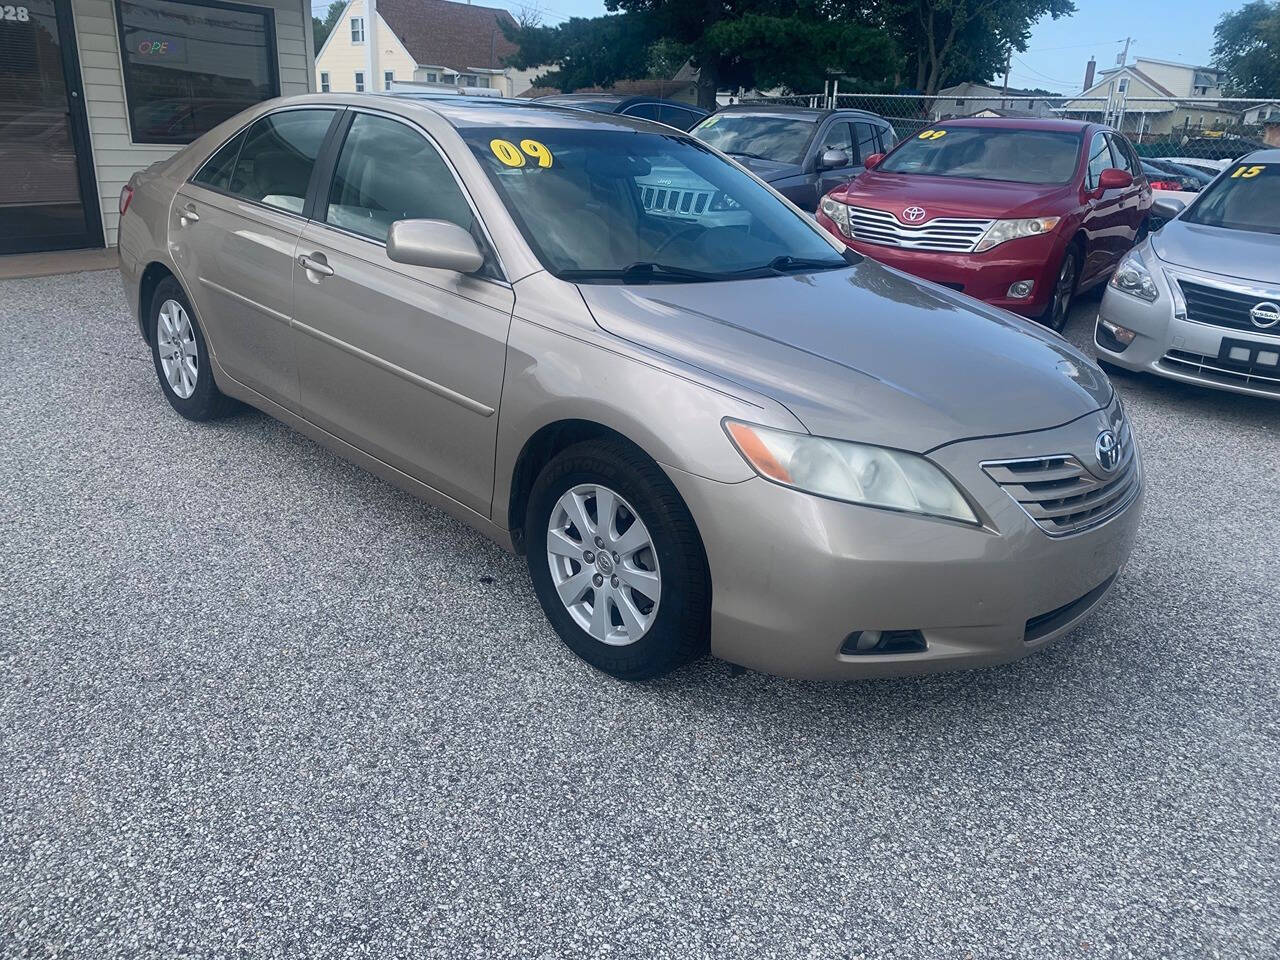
(932, 135)
(1248, 172)
(512, 156)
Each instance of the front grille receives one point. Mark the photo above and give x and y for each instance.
(1220, 307)
(1060, 493)
(1213, 370)
(673, 202)
(945, 234)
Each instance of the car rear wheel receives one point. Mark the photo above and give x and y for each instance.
(181, 356)
(616, 561)
(1064, 288)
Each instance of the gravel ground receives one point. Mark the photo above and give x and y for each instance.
(255, 702)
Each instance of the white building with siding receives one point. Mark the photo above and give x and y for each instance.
(93, 90)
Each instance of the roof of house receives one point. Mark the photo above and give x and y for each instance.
(446, 34)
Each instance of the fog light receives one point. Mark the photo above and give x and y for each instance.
(883, 641)
(1021, 290)
(1113, 337)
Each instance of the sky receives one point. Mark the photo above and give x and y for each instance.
(1180, 30)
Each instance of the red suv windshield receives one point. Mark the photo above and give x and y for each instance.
(988, 153)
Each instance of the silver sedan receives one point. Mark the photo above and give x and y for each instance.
(708, 424)
(1200, 300)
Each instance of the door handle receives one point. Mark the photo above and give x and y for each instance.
(315, 266)
(187, 215)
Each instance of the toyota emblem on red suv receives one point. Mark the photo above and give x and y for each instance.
(913, 214)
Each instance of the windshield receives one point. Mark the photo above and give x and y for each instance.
(988, 153)
(1247, 197)
(760, 136)
(614, 205)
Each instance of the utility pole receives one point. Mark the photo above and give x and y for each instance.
(1008, 58)
(1124, 55)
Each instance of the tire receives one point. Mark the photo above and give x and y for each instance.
(181, 356)
(645, 636)
(1058, 311)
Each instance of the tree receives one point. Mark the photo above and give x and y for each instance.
(733, 43)
(321, 29)
(951, 41)
(1247, 46)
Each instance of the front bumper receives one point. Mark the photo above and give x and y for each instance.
(1172, 346)
(983, 276)
(793, 575)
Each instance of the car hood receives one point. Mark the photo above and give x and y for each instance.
(1232, 253)
(769, 170)
(866, 353)
(952, 197)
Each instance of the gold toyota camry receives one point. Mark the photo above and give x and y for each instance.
(707, 423)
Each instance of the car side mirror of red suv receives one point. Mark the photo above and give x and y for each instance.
(872, 161)
(1113, 179)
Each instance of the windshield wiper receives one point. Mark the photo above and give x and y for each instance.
(787, 262)
(642, 271)
(749, 156)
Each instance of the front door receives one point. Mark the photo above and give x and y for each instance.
(837, 136)
(48, 199)
(403, 362)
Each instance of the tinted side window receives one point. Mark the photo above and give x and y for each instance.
(644, 111)
(838, 137)
(387, 172)
(1124, 156)
(888, 139)
(866, 137)
(679, 118)
(279, 151)
(1099, 160)
(216, 172)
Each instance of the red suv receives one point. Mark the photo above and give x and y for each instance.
(1020, 213)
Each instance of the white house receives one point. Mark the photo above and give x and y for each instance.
(1152, 96)
(422, 41)
(972, 99)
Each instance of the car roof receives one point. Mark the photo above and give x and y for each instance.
(806, 113)
(621, 100)
(1269, 155)
(1023, 123)
(463, 111)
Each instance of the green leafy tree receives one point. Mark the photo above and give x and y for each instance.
(321, 29)
(952, 41)
(1247, 46)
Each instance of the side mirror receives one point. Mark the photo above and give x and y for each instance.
(833, 159)
(873, 161)
(433, 243)
(1113, 179)
(1166, 208)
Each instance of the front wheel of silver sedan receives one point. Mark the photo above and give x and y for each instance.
(617, 562)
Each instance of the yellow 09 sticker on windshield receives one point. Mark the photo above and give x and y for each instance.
(932, 135)
(513, 156)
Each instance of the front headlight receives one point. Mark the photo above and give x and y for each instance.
(855, 472)
(839, 212)
(1133, 278)
(1002, 231)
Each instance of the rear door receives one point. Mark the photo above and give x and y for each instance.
(233, 228)
(1126, 159)
(403, 362)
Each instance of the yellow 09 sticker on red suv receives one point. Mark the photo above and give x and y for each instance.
(932, 135)
(514, 156)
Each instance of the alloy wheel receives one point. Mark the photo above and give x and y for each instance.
(603, 564)
(179, 353)
(1062, 293)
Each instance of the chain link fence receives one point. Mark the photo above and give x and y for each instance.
(1208, 130)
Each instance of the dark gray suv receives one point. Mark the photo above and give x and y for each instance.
(802, 153)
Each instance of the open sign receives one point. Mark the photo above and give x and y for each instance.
(157, 47)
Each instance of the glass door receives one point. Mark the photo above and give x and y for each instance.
(48, 200)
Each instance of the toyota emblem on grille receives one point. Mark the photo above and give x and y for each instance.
(1107, 449)
(1265, 315)
(913, 214)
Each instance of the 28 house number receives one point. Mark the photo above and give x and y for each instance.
(14, 13)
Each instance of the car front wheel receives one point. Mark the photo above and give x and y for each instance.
(616, 561)
(1064, 288)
